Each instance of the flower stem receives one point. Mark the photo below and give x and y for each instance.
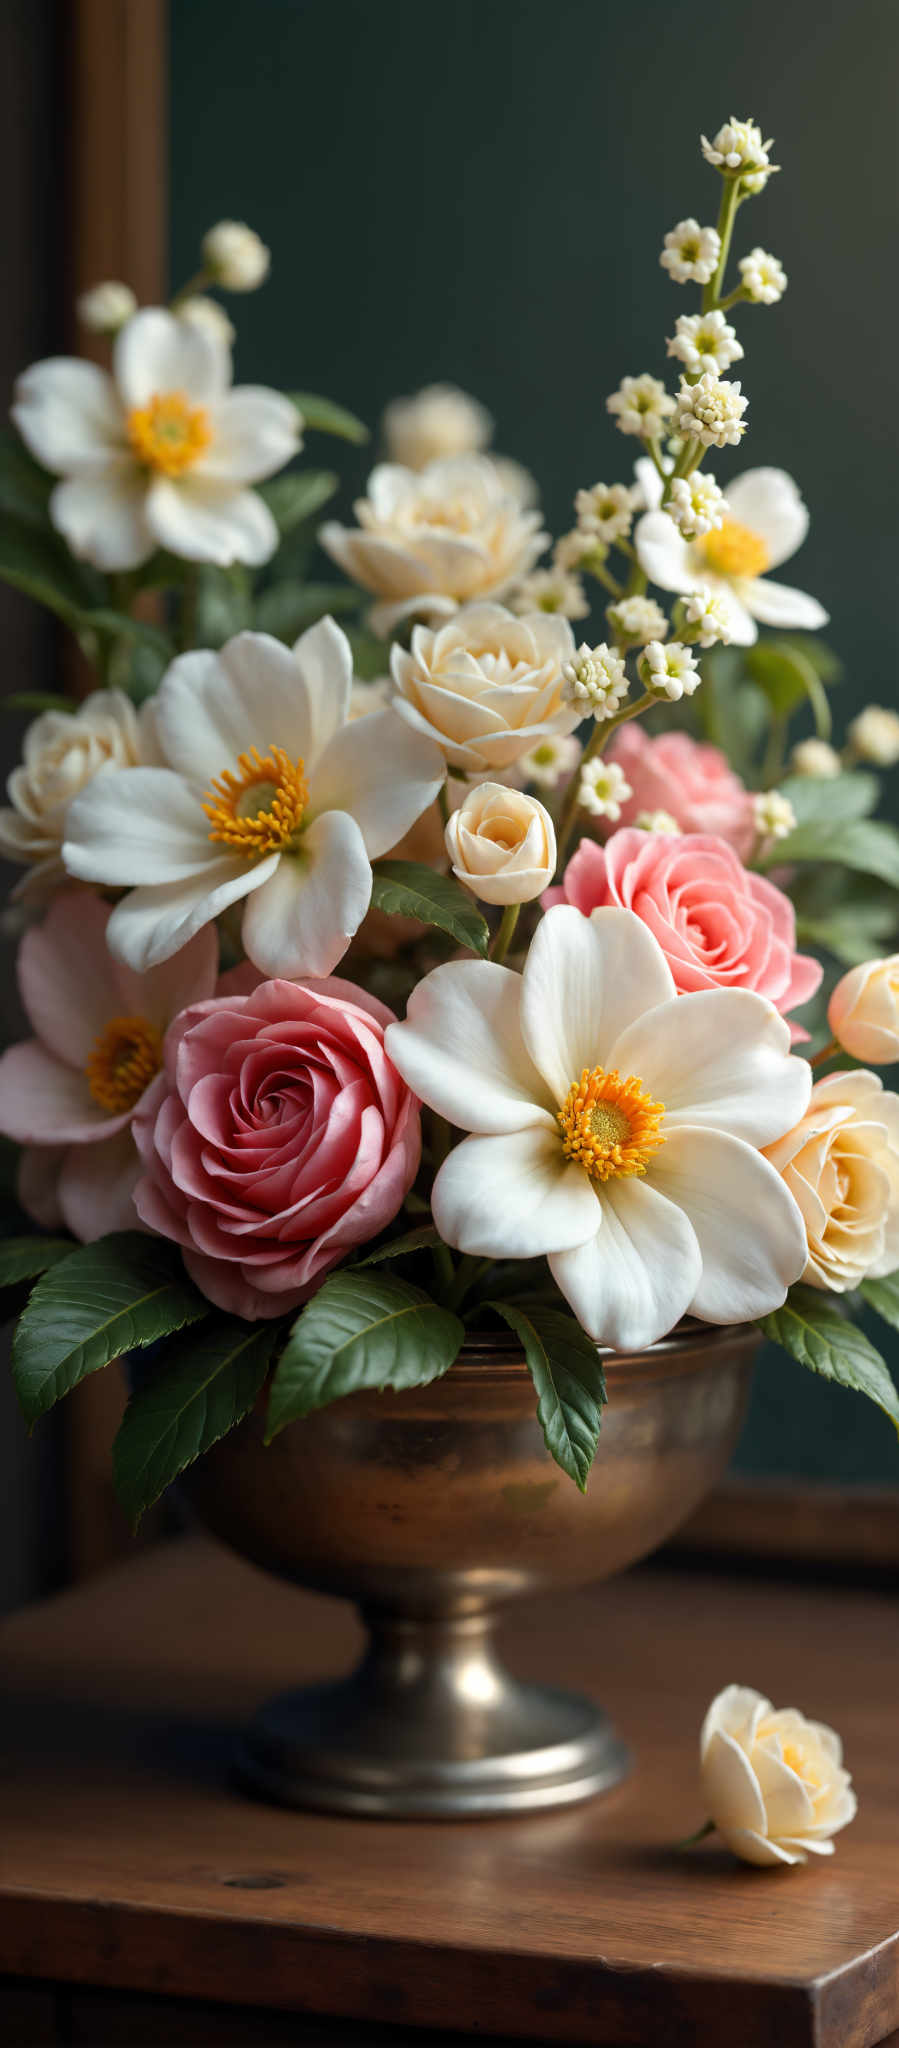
(727, 213)
(828, 1052)
(690, 1841)
(504, 936)
(595, 747)
(186, 291)
(443, 805)
(189, 607)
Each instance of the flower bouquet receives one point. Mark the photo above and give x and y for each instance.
(438, 971)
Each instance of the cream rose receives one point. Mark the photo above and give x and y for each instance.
(488, 686)
(62, 752)
(773, 1782)
(841, 1165)
(863, 1012)
(439, 421)
(432, 539)
(502, 844)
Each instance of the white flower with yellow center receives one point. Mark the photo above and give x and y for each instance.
(269, 792)
(641, 405)
(429, 540)
(764, 279)
(607, 511)
(617, 1126)
(737, 149)
(550, 590)
(691, 253)
(160, 453)
(487, 686)
(602, 789)
(550, 761)
(765, 524)
(711, 411)
(437, 422)
(634, 620)
(705, 341)
(658, 821)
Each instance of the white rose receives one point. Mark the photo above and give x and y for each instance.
(236, 256)
(488, 686)
(439, 421)
(863, 1012)
(430, 540)
(773, 1782)
(841, 1165)
(62, 752)
(502, 844)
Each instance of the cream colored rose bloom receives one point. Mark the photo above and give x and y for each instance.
(773, 1782)
(502, 844)
(431, 540)
(488, 686)
(863, 1012)
(441, 420)
(841, 1164)
(62, 752)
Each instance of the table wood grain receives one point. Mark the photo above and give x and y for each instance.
(129, 1864)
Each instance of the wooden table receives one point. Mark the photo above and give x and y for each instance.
(144, 1900)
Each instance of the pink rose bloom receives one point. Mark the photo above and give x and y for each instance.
(694, 783)
(68, 1094)
(718, 925)
(278, 1135)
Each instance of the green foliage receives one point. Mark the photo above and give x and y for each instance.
(125, 1291)
(408, 889)
(23, 1258)
(784, 673)
(824, 659)
(883, 1297)
(287, 608)
(24, 487)
(422, 1239)
(361, 1331)
(37, 701)
(566, 1369)
(224, 605)
(813, 1331)
(836, 797)
(322, 416)
(297, 495)
(868, 845)
(38, 564)
(203, 1387)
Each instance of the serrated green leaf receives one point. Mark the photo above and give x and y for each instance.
(814, 1333)
(567, 1372)
(786, 675)
(104, 1299)
(286, 609)
(867, 845)
(409, 889)
(23, 1258)
(204, 1386)
(411, 1241)
(322, 416)
(361, 1331)
(883, 1297)
(297, 495)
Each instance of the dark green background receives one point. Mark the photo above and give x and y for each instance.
(479, 192)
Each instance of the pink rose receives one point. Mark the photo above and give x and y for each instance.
(278, 1135)
(718, 925)
(694, 783)
(68, 1094)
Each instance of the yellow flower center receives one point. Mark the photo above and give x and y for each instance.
(260, 810)
(168, 434)
(734, 550)
(123, 1062)
(610, 1126)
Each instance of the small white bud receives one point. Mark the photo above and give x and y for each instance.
(606, 511)
(691, 253)
(641, 405)
(696, 504)
(106, 307)
(874, 736)
(235, 256)
(705, 341)
(208, 316)
(774, 815)
(764, 279)
(659, 821)
(670, 670)
(815, 758)
(737, 149)
(706, 617)
(711, 412)
(595, 681)
(635, 620)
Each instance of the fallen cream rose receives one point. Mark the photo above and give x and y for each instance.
(502, 844)
(773, 1782)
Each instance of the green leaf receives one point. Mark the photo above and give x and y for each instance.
(38, 564)
(37, 701)
(786, 676)
(883, 1297)
(823, 658)
(204, 1386)
(112, 625)
(411, 1241)
(852, 933)
(104, 1299)
(371, 657)
(815, 1333)
(24, 487)
(322, 416)
(842, 797)
(361, 1331)
(566, 1369)
(867, 845)
(22, 1258)
(224, 605)
(297, 495)
(408, 889)
(286, 609)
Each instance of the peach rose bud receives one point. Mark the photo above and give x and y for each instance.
(863, 1012)
(502, 844)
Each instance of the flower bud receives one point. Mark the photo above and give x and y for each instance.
(863, 1012)
(874, 736)
(816, 759)
(106, 307)
(502, 844)
(235, 256)
(774, 815)
(208, 316)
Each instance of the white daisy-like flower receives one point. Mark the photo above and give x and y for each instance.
(764, 278)
(691, 253)
(235, 256)
(705, 341)
(711, 411)
(209, 316)
(737, 149)
(765, 524)
(696, 504)
(816, 759)
(874, 736)
(269, 793)
(616, 1126)
(658, 821)
(596, 681)
(774, 815)
(105, 307)
(551, 761)
(578, 549)
(607, 510)
(160, 453)
(602, 789)
(672, 670)
(641, 405)
(707, 616)
(634, 620)
(550, 590)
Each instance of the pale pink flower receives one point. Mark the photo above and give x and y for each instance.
(278, 1136)
(693, 782)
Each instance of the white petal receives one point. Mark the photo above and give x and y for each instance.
(149, 925)
(207, 521)
(635, 1280)
(513, 1197)
(324, 659)
(750, 1233)
(383, 773)
(585, 980)
(157, 353)
(254, 432)
(663, 553)
(188, 977)
(768, 502)
(729, 1785)
(777, 605)
(738, 1709)
(796, 1848)
(788, 1806)
(133, 825)
(462, 1051)
(752, 1847)
(741, 626)
(96, 1187)
(302, 921)
(67, 977)
(214, 706)
(649, 481)
(719, 1058)
(102, 515)
(68, 414)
